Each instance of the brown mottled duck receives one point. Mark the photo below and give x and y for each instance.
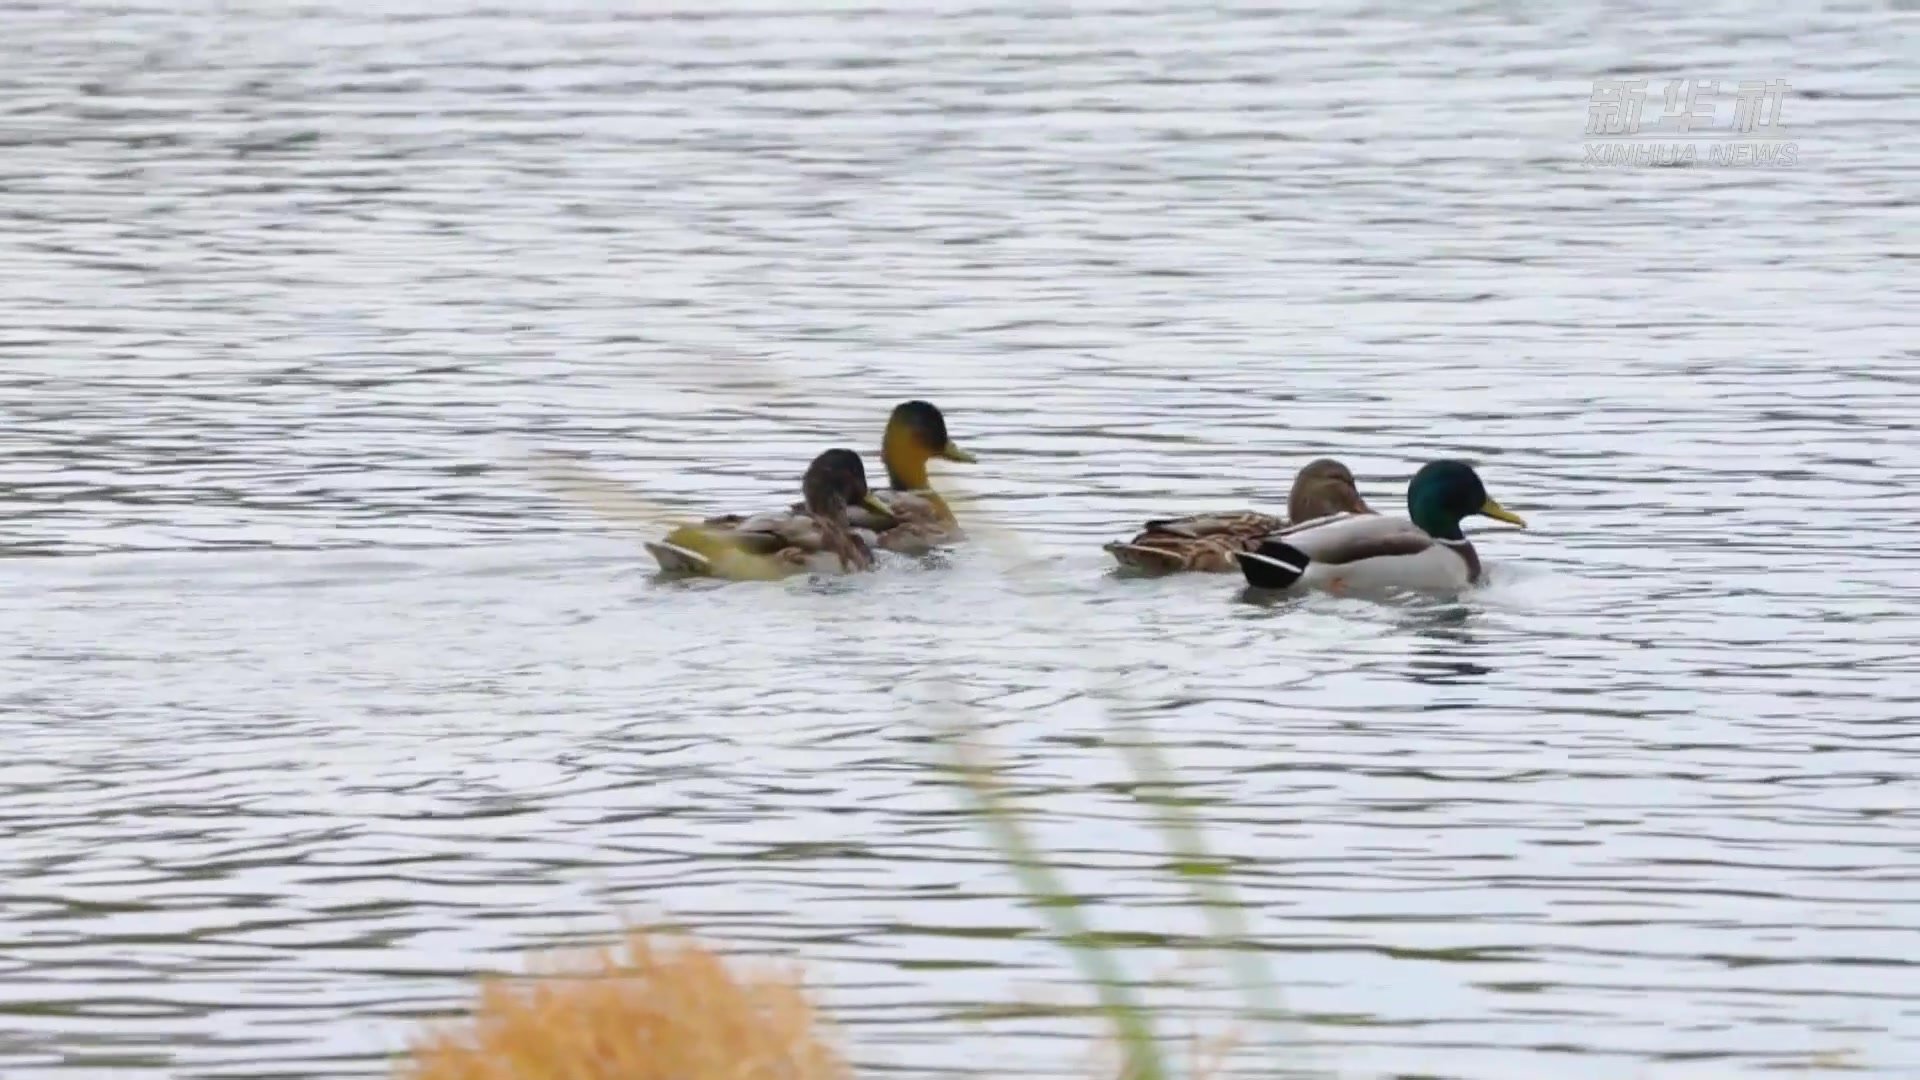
(1208, 543)
(911, 517)
(815, 536)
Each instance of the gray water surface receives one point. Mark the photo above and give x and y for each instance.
(313, 702)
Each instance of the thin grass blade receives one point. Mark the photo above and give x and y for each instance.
(614, 501)
(1000, 820)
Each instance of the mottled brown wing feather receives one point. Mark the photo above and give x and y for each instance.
(769, 533)
(801, 531)
(1241, 523)
(742, 532)
(1200, 542)
(916, 507)
(1163, 553)
(915, 539)
(909, 509)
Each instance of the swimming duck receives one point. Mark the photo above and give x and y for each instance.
(1426, 550)
(1208, 542)
(816, 536)
(910, 516)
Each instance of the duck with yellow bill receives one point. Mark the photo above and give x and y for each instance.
(1424, 551)
(1207, 543)
(908, 516)
(816, 536)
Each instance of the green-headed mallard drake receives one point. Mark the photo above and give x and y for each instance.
(1425, 550)
(910, 517)
(1208, 542)
(816, 536)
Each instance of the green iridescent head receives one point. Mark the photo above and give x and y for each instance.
(1444, 492)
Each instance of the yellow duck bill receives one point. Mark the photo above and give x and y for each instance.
(1500, 513)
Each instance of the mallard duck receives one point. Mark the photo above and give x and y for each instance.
(1208, 542)
(911, 517)
(1426, 550)
(816, 536)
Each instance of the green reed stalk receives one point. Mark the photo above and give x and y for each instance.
(1204, 874)
(1000, 820)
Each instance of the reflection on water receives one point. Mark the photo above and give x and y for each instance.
(315, 703)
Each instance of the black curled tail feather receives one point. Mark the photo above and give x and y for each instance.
(1272, 564)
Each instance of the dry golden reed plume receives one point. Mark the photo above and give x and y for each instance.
(653, 1009)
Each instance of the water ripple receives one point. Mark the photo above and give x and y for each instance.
(315, 704)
